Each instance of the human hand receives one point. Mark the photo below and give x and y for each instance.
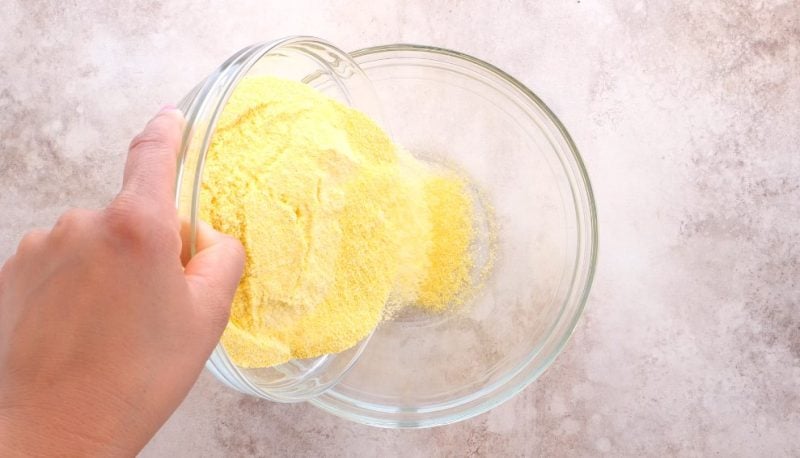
(102, 329)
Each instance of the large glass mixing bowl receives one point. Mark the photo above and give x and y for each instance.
(426, 370)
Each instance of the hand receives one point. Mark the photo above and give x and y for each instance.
(102, 329)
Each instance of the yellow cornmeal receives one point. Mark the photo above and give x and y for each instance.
(450, 212)
(335, 221)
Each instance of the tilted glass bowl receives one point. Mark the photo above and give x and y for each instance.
(427, 369)
(314, 62)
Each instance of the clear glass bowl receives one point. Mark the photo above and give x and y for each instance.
(423, 370)
(331, 71)
(429, 370)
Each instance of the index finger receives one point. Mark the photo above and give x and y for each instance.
(152, 157)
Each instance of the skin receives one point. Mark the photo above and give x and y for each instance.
(103, 329)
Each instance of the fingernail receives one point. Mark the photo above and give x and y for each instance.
(167, 107)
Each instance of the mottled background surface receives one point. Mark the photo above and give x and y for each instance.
(688, 117)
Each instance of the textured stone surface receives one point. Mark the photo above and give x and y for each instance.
(687, 114)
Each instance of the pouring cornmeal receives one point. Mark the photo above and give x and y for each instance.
(336, 220)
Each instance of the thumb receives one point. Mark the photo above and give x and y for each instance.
(152, 157)
(213, 274)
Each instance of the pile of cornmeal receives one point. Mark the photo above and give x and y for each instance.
(336, 220)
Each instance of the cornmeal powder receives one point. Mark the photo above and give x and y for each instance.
(450, 212)
(335, 220)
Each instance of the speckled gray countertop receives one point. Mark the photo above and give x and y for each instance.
(688, 117)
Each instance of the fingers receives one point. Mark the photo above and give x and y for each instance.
(73, 220)
(214, 272)
(152, 157)
(31, 255)
(186, 242)
(32, 242)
